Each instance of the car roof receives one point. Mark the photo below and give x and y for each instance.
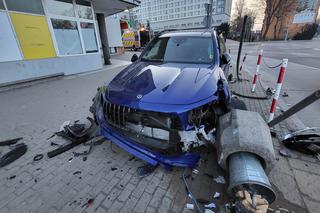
(198, 33)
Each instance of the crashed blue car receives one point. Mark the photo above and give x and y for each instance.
(166, 104)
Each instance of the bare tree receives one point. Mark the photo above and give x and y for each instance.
(275, 13)
(236, 23)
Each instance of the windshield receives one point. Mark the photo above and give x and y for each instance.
(181, 49)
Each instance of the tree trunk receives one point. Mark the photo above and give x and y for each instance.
(275, 29)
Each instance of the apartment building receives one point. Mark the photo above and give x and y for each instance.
(179, 14)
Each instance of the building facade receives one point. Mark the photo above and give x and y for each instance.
(179, 14)
(42, 38)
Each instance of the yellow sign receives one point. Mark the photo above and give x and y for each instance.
(34, 36)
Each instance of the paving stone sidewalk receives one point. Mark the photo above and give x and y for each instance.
(65, 183)
(296, 177)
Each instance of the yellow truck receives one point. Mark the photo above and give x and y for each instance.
(135, 39)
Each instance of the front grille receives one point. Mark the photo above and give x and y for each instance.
(116, 114)
(155, 130)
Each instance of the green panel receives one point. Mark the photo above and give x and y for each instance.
(29, 6)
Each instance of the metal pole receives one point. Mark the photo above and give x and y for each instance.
(296, 108)
(240, 45)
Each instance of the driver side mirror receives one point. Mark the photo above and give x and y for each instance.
(134, 58)
(225, 58)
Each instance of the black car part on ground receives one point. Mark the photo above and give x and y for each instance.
(10, 141)
(146, 170)
(304, 143)
(37, 157)
(94, 142)
(77, 134)
(14, 154)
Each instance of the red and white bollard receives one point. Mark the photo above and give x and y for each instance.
(255, 77)
(278, 88)
(243, 60)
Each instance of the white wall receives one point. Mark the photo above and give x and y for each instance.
(114, 31)
(13, 71)
(9, 49)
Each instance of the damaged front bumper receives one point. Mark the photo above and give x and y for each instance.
(153, 158)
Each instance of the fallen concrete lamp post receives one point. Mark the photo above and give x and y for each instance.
(245, 149)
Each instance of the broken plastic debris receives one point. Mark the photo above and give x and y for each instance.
(202, 201)
(64, 124)
(208, 211)
(210, 205)
(10, 141)
(77, 172)
(285, 94)
(146, 170)
(37, 157)
(190, 206)
(12, 177)
(220, 179)
(195, 171)
(284, 153)
(15, 153)
(216, 195)
(88, 203)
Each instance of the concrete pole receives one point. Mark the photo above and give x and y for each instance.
(104, 38)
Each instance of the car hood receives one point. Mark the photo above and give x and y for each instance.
(167, 83)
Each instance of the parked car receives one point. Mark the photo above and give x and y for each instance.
(166, 104)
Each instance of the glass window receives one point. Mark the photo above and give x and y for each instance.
(89, 37)
(180, 49)
(30, 6)
(67, 36)
(84, 9)
(1, 5)
(61, 7)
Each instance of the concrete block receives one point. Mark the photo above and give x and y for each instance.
(244, 131)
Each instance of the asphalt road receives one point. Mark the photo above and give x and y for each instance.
(303, 72)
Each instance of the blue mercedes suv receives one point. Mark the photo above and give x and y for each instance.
(166, 104)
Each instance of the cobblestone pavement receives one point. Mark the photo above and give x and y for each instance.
(296, 177)
(65, 183)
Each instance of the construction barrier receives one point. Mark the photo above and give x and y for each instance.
(243, 60)
(278, 88)
(255, 77)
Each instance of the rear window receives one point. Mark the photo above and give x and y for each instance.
(181, 49)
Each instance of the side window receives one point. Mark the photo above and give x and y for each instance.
(222, 44)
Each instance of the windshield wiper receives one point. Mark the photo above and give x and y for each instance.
(152, 60)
